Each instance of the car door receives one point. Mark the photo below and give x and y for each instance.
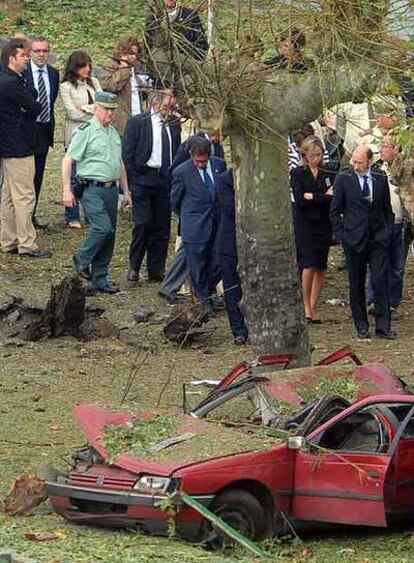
(400, 479)
(340, 477)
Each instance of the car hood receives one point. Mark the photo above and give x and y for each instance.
(209, 441)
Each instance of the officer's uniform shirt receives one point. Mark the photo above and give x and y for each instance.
(97, 151)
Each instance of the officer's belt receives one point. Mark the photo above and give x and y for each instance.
(98, 184)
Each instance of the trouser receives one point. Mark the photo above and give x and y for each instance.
(72, 213)
(17, 205)
(151, 231)
(203, 273)
(101, 207)
(377, 258)
(232, 294)
(44, 134)
(177, 273)
(400, 243)
(40, 165)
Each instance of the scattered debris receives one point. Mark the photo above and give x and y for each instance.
(143, 315)
(12, 557)
(65, 314)
(26, 492)
(336, 302)
(184, 324)
(41, 537)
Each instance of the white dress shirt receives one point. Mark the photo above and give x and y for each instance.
(45, 74)
(135, 97)
(155, 160)
(208, 170)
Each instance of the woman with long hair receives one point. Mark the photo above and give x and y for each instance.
(77, 92)
(123, 76)
(312, 187)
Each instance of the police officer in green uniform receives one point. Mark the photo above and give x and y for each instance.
(96, 149)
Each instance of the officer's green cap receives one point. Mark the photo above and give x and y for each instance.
(106, 99)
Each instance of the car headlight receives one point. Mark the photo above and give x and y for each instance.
(152, 484)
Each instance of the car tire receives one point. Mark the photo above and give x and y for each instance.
(243, 511)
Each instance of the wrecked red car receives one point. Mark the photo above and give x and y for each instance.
(257, 462)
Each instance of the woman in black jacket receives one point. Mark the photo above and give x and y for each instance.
(312, 191)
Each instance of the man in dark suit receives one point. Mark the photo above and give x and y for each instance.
(178, 272)
(362, 219)
(194, 200)
(45, 80)
(185, 27)
(149, 145)
(227, 247)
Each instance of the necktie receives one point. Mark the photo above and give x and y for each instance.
(209, 184)
(366, 194)
(165, 150)
(41, 86)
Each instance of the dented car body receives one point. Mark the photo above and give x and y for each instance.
(339, 462)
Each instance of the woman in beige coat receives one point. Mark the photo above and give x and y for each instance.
(121, 76)
(77, 92)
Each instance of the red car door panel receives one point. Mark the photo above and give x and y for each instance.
(345, 488)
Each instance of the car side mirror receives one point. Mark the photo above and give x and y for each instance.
(296, 443)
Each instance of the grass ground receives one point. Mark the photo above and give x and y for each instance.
(39, 384)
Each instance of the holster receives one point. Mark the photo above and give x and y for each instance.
(78, 186)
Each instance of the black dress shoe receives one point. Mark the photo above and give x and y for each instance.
(108, 288)
(384, 334)
(83, 272)
(240, 340)
(363, 335)
(156, 278)
(36, 254)
(38, 225)
(133, 276)
(172, 298)
(12, 251)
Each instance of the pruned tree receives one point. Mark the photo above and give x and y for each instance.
(352, 55)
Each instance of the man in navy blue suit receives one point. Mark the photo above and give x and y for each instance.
(45, 80)
(178, 271)
(194, 200)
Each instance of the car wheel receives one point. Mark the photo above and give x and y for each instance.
(241, 510)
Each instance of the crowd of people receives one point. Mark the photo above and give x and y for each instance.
(122, 134)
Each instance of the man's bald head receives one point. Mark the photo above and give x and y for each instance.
(361, 159)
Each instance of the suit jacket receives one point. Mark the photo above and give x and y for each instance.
(226, 234)
(137, 143)
(356, 222)
(53, 75)
(77, 104)
(302, 181)
(116, 78)
(191, 201)
(18, 112)
(187, 23)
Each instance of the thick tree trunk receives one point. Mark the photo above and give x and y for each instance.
(271, 287)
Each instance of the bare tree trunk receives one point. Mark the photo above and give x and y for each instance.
(271, 287)
(212, 24)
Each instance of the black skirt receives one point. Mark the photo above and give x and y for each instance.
(313, 239)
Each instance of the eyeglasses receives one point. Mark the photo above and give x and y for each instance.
(39, 51)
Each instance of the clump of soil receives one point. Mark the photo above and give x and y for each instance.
(65, 314)
(184, 324)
